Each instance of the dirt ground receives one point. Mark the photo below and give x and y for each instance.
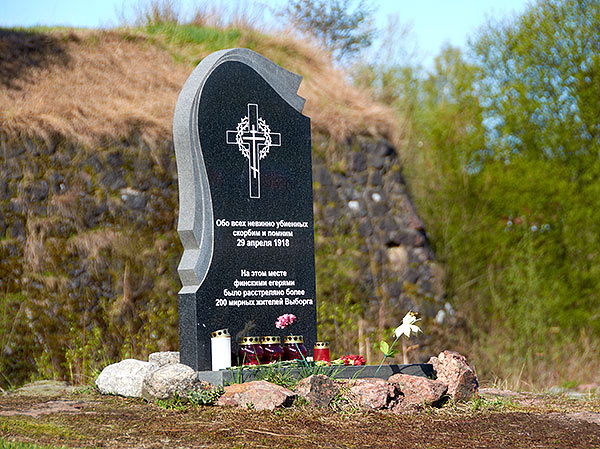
(494, 420)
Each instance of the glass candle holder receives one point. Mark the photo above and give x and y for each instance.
(321, 352)
(251, 352)
(220, 349)
(272, 349)
(293, 348)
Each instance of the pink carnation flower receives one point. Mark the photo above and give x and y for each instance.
(285, 320)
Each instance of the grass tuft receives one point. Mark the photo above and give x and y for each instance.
(5, 444)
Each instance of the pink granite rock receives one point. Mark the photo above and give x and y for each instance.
(372, 393)
(418, 390)
(258, 395)
(453, 370)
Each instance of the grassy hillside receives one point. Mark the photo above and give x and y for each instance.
(88, 198)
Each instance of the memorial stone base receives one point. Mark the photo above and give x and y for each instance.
(238, 375)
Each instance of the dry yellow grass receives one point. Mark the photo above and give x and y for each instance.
(94, 87)
(335, 106)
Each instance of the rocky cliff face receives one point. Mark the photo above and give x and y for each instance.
(88, 253)
(88, 248)
(363, 196)
(371, 193)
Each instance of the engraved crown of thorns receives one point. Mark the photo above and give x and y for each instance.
(244, 126)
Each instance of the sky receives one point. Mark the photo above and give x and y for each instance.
(432, 22)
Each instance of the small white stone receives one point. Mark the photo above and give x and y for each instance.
(376, 197)
(124, 378)
(164, 358)
(353, 205)
(169, 380)
(440, 316)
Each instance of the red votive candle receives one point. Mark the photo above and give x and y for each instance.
(321, 352)
(293, 348)
(250, 351)
(272, 349)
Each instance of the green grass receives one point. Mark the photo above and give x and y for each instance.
(31, 428)
(44, 29)
(4, 444)
(212, 39)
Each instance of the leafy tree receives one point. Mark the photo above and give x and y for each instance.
(502, 156)
(541, 77)
(343, 26)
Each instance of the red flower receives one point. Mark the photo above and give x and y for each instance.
(352, 359)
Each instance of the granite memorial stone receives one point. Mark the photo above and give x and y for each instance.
(243, 151)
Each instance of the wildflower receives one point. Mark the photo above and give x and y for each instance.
(285, 320)
(408, 325)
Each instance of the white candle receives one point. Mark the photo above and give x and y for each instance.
(220, 349)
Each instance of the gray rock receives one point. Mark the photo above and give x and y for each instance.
(361, 178)
(258, 395)
(319, 390)
(379, 208)
(398, 258)
(376, 178)
(124, 378)
(18, 206)
(57, 183)
(164, 358)
(113, 180)
(384, 149)
(4, 195)
(365, 229)
(16, 229)
(169, 380)
(115, 159)
(37, 191)
(322, 175)
(358, 162)
(132, 198)
(376, 161)
(395, 289)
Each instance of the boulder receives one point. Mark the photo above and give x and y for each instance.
(318, 390)
(124, 378)
(452, 369)
(418, 390)
(164, 358)
(371, 393)
(169, 380)
(258, 395)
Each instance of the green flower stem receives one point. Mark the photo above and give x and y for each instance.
(385, 355)
(301, 355)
